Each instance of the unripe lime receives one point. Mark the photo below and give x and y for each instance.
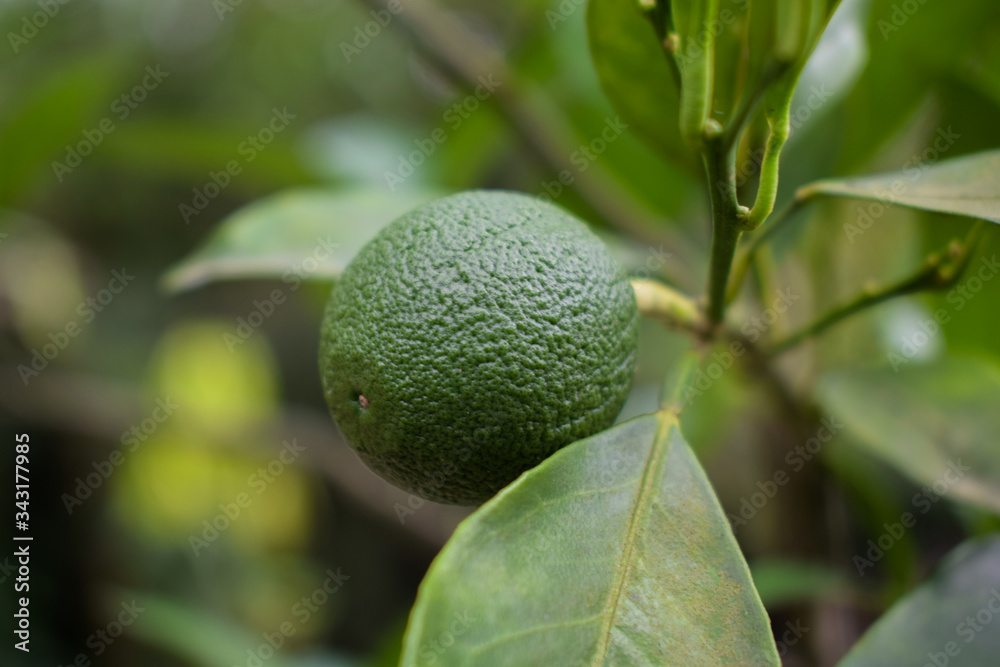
(472, 338)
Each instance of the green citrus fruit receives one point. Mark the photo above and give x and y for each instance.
(472, 338)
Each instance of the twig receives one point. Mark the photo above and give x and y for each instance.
(938, 272)
(726, 226)
(663, 303)
(777, 222)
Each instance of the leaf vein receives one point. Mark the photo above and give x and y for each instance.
(643, 499)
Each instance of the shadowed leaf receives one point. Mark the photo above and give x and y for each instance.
(946, 621)
(937, 423)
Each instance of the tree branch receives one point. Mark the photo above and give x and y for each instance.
(937, 273)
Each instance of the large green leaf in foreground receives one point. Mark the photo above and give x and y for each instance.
(952, 619)
(312, 232)
(968, 186)
(937, 423)
(614, 551)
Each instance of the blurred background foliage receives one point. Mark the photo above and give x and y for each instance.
(324, 523)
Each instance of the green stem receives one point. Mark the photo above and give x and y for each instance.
(777, 222)
(678, 311)
(936, 273)
(696, 63)
(864, 300)
(748, 103)
(767, 190)
(658, 14)
(726, 222)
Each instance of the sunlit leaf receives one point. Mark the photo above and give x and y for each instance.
(613, 551)
(968, 186)
(296, 235)
(946, 621)
(937, 423)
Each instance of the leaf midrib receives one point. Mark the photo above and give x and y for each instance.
(647, 485)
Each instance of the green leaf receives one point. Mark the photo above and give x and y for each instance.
(43, 122)
(949, 620)
(937, 423)
(306, 233)
(634, 72)
(188, 150)
(613, 551)
(968, 186)
(780, 582)
(186, 631)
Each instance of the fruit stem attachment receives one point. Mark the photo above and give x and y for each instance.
(940, 271)
(661, 302)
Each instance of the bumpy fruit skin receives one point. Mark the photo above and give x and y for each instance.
(472, 338)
